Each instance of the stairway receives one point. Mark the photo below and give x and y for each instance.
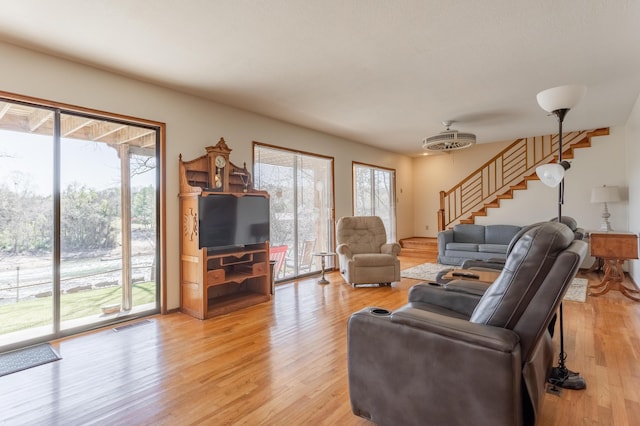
(507, 172)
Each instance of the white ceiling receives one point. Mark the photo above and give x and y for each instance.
(381, 72)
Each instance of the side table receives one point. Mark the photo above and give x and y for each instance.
(614, 248)
(323, 255)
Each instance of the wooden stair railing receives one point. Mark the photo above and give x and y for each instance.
(506, 172)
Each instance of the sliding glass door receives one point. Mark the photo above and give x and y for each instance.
(26, 228)
(301, 196)
(374, 195)
(78, 227)
(107, 222)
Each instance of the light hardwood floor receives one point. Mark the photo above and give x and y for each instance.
(284, 363)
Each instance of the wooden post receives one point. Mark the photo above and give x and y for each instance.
(125, 201)
(441, 224)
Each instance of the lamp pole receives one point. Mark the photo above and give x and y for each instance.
(562, 357)
(560, 113)
(561, 375)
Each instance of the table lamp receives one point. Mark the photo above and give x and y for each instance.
(605, 194)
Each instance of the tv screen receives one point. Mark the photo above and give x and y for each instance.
(227, 221)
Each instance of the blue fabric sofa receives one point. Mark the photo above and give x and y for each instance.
(480, 242)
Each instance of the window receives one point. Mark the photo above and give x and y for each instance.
(78, 220)
(374, 195)
(301, 202)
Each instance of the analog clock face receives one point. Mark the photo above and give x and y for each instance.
(220, 161)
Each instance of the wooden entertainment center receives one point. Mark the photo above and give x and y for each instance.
(215, 281)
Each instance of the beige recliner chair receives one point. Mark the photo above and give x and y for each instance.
(364, 255)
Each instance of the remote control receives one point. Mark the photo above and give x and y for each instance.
(465, 274)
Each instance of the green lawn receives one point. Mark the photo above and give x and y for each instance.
(38, 312)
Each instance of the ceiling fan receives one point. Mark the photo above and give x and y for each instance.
(449, 140)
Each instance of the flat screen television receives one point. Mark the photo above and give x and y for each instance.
(227, 221)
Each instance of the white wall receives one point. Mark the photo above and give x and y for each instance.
(192, 124)
(632, 156)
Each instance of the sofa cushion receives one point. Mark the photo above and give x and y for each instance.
(373, 259)
(500, 234)
(456, 257)
(463, 246)
(468, 233)
(492, 248)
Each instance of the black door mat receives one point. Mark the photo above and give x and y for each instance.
(22, 359)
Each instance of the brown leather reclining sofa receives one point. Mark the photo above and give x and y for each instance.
(452, 357)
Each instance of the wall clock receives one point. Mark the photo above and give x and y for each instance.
(220, 162)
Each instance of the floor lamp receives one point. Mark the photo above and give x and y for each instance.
(558, 101)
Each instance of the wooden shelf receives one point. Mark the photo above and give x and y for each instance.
(232, 302)
(234, 277)
(217, 282)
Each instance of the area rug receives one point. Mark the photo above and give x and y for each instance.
(21, 359)
(577, 292)
(425, 271)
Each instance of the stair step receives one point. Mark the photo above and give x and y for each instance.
(585, 143)
(423, 247)
(419, 242)
(567, 155)
(407, 252)
(506, 196)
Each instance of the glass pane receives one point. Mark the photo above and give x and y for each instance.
(144, 237)
(26, 223)
(274, 171)
(301, 205)
(373, 195)
(107, 211)
(363, 191)
(311, 212)
(383, 202)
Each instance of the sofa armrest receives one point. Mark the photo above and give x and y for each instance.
(460, 302)
(494, 338)
(444, 237)
(474, 287)
(390, 248)
(493, 263)
(344, 250)
(393, 359)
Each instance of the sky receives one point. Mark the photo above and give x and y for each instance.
(30, 156)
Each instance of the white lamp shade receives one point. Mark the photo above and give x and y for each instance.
(605, 194)
(550, 174)
(561, 97)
